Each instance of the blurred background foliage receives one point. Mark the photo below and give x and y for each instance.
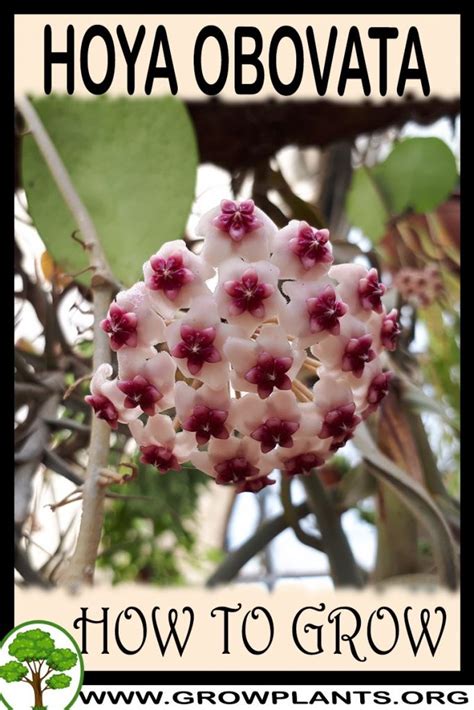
(145, 535)
(390, 200)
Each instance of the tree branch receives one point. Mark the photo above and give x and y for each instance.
(344, 569)
(293, 519)
(82, 564)
(50, 670)
(56, 463)
(236, 559)
(260, 129)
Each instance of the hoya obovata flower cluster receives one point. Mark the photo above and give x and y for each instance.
(240, 411)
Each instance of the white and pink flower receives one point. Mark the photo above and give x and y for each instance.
(306, 454)
(313, 311)
(247, 294)
(262, 365)
(106, 399)
(272, 422)
(235, 409)
(350, 352)
(204, 411)
(332, 416)
(148, 384)
(372, 389)
(302, 252)
(359, 288)
(235, 461)
(196, 342)
(160, 446)
(236, 229)
(132, 322)
(174, 276)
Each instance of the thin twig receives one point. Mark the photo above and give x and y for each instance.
(76, 384)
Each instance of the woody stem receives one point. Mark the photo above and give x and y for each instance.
(82, 564)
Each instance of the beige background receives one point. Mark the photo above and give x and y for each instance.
(440, 38)
(204, 649)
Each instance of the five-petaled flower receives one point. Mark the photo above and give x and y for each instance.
(350, 352)
(313, 311)
(359, 288)
(247, 294)
(160, 445)
(148, 384)
(302, 252)
(237, 219)
(272, 421)
(269, 362)
(233, 461)
(196, 342)
(212, 371)
(106, 399)
(175, 276)
(233, 229)
(204, 411)
(132, 322)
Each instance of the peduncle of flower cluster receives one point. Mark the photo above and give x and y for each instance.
(211, 376)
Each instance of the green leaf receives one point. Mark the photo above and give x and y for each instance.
(62, 659)
(13, 671)
(138, 531)
(364, 204)
(419, 174)
(417, 500)
(58, 681)
(133, 163)
(33, 645)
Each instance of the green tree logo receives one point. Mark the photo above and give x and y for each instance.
(40, 662)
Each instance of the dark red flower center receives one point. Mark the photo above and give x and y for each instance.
(237, 219)
(379, 387)
(274, 432)
(121, 327)
(325, 310)
(340, 422)
(197, 347)
(140, 393)
(311, 246)
(248, 294)
(162, 457)
(302, 464)
(371, 291)
(357, 354)
(103, 408)
(207, 422)
(169, 275)
(390, 330)
(255, 485)
(234, 470)
(337, 444)
(270, 372)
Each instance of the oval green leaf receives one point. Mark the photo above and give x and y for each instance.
(419, 174)
(364, 204)
(133, 163)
